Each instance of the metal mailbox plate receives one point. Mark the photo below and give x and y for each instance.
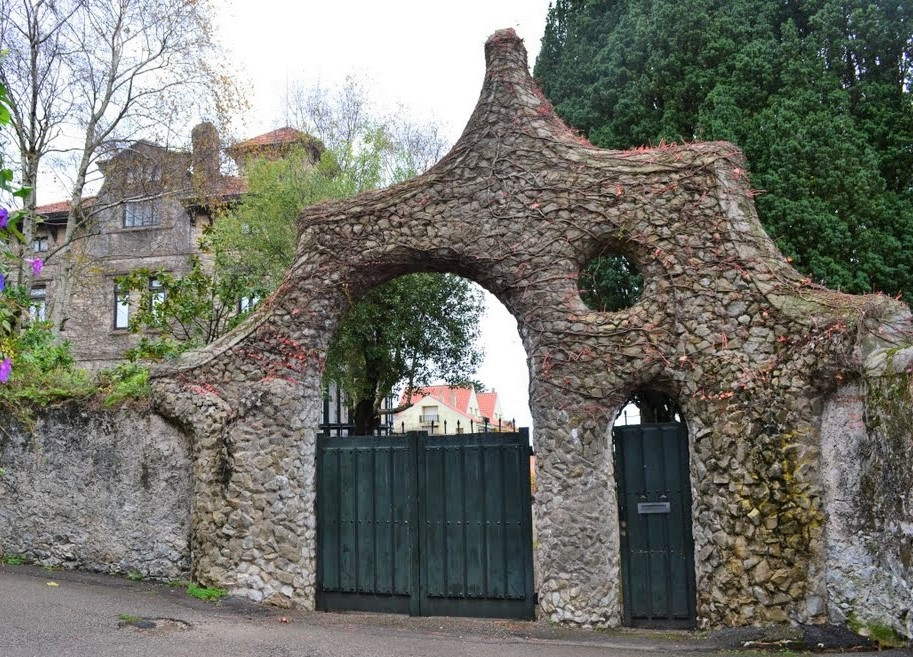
(654, 507)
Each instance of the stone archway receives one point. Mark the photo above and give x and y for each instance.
(518, 205)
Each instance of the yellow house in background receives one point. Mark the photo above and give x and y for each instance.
(450, 410)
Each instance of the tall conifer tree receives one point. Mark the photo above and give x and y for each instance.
(818, 94)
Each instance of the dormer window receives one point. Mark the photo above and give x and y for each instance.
(140, 213)
(41, 244)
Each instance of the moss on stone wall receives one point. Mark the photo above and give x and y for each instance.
(886, 484)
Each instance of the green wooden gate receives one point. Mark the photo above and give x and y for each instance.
(654, 500)
(425, 525)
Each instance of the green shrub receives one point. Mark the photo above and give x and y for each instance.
(124, 382)
(43, 372)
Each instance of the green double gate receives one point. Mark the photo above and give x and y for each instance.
(425, 525)
(654, 504)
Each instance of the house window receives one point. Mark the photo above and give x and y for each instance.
(246, 304)
(429, 415)
(41, 244)
(140, 213)
(156, 292)
(121, 307)
(38, 303)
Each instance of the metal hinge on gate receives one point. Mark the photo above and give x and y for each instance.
(536, 598)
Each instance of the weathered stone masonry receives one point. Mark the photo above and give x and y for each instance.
(757, 356)
(104, 490)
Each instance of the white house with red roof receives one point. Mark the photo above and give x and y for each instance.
(450, 409)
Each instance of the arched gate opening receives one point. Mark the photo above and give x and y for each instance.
(650, 445)
(426, 521)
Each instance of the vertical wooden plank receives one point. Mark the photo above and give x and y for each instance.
(347, 518)
(677, 575)
(434, 509)
(415, 469)
(328, 522)
(383, 521)
(527, 499)
(474, 489)
(404, 528)
(514, 500)
(364, 485)
(657, 523)
(494, 537)
(454, 546)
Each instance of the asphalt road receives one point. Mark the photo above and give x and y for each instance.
(69, 614)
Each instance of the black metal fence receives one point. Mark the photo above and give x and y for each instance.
(337, 421)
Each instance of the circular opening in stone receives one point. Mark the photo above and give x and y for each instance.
(610, 282)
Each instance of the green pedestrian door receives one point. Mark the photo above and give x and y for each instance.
(657, 550)
(425, 525)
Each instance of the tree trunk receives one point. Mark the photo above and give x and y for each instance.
(63, 282)
(655, 407)
(366, 420)
(29, 179)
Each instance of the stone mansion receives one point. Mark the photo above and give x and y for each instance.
(150, 212)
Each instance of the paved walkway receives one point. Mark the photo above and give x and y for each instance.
(70, 614)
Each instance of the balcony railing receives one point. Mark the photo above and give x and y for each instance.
(428, 419)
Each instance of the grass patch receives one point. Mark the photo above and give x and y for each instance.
(129, 618)
(13, 559)
(205, 593)
(135, 576)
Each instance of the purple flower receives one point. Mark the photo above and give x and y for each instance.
(36, 263)
(4, 217)
(2, 282)
(5, 368)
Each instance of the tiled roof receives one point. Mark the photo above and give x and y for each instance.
(457, 398)
(233, 185)
(61, 206)
(487, 402)
(223, 187)
(284, 135)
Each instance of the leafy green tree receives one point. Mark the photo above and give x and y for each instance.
(412, 330)
(253, 243)
(184, 312)
(610, 282)
(819, 95)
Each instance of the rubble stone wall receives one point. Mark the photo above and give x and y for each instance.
(107, 491)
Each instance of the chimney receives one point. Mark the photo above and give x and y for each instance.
(204, 139)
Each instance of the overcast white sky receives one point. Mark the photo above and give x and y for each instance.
(426, 56)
